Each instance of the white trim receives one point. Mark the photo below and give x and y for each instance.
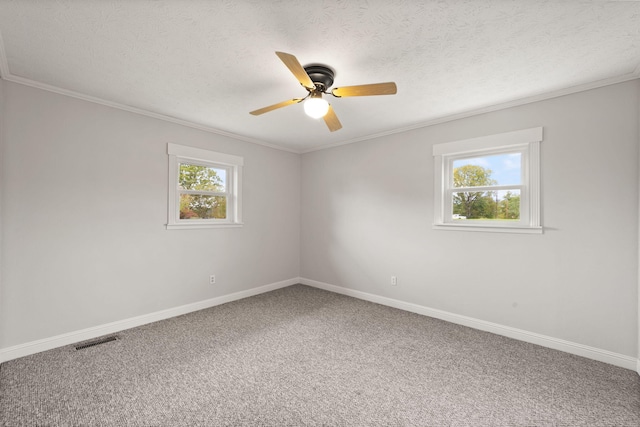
(6, 75)
(526, 142)
(33, 347)
(183, 153)
(507, 331)
(488, 109)
(503, 140)
(45, 344)
(140, 111)
(535, 178)
(492, 229)
(186, 152)
(199, 226)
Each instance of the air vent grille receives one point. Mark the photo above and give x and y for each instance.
(96, 342)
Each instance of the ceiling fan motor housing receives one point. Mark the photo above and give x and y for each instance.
(320, 75)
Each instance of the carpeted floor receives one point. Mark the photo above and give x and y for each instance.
(300, 356)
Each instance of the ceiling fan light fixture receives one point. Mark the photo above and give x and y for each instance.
(315, 106)
(317, 79)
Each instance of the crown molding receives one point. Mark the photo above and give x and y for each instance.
(5, 74)
(96, 100)
(490, 108)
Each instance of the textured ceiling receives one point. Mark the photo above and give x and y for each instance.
(211, 62)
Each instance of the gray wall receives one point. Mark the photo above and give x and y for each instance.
(367, 211)
(84, 204)
(83, 193)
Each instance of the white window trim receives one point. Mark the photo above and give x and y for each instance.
(525, 141)
(181, 153)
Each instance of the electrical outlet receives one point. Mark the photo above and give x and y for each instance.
(394, 280)
(212, 279)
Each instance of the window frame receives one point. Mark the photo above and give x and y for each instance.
(181, 154)
(527, 143)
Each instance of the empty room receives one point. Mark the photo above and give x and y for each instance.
(330, 213)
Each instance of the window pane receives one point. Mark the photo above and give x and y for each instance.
(494, 205)
(499, 169)
(195, 177)
(196, 206)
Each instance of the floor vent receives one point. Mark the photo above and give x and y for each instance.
(96, 342)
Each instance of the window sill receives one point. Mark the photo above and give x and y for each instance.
(198, 226)
(489, 229)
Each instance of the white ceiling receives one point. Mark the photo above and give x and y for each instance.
(208, 63)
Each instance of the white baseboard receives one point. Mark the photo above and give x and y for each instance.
(507, 331)
(33, 347)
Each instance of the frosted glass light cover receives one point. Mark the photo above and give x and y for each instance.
(316, 107)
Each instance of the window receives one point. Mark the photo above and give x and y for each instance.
(490, 183)
(204, 188)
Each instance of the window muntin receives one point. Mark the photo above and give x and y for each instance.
(204, 188)
(489, 183)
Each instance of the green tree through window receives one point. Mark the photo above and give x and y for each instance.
(482, 204)
(202, 202)
(509, 206)
(489, 183)
(472, 204)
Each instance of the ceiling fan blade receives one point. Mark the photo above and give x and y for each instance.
(332, 120)
(275, 106)
(388, 88)
(298, 70)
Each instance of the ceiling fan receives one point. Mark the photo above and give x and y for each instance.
(317, 79)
